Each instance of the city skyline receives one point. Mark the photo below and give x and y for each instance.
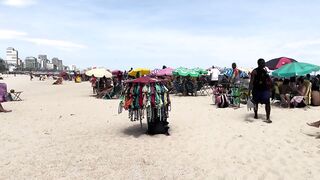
(123, 34)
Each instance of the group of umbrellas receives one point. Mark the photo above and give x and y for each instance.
(287, 67)
(195, 72)
(282, 67)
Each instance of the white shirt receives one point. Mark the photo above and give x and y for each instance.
(214, 74)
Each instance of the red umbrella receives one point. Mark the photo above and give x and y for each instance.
(278, 62)
(145, 80)
(116, 72)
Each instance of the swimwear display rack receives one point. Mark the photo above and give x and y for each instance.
(148, 98)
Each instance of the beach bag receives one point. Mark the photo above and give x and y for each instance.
(222, 101)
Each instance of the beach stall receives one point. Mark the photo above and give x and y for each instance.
(147, 98)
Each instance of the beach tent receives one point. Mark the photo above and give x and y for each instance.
(276, 63)
(295, 69)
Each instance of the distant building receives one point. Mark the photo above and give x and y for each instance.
(3, 65)
(43, 60)
(50, 66)
(74, 68)
(12, 56)
(66, 68)
(58, 65)
(31, 63)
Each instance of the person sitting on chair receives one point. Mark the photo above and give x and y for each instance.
(298, 99)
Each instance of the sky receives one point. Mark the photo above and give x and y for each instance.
(119, 34)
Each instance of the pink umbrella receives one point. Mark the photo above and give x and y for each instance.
(165, 72)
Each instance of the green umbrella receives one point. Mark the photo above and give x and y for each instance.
(295, 69)
(194, 73)
(200, 70)
(181, 71)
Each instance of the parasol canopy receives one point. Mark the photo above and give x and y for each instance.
(295, 69)
(196, 72)
(116, 72)
(164, 72)
(276, 63)
(144, 80)
(99, 73)
(142, 71)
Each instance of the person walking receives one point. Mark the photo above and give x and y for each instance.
(260, 85)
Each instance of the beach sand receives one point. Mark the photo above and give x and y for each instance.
(62, 132)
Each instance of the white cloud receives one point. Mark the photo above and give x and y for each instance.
(304, 43)
(61, 44)
(23, 36)
(11, 34)
(18, 3)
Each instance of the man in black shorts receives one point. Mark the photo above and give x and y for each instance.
(260, 85)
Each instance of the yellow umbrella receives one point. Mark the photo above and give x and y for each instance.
(142, 71)
(99, 73)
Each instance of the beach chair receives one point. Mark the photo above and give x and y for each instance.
(16, 95)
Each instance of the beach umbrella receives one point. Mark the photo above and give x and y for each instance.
(181, 71)
(228, 72)
(194, 73)
(142, 71)
(295, 69)
(278, 62)
(164, 72)
(99, 73)
(155, 71)
(116, 72)
(145, 80)
(200, 70)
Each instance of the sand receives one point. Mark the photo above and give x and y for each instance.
(61, 132)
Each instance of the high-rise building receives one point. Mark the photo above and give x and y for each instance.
(57, 64)
(31, 63)
(3, 65)
(50, 66)
(43, 60)
(12, 56)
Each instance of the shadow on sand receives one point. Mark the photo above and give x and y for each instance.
(249, 117)
(135, 130)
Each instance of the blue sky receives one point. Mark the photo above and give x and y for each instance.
(120, 34)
